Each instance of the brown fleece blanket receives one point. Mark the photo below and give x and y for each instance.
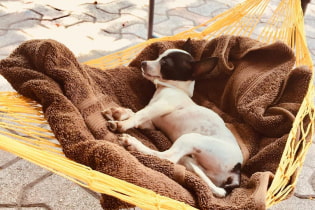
(254, 89)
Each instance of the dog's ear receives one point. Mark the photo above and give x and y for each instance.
(203, 67)
(187, 46)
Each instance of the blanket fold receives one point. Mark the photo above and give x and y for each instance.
(255, 89)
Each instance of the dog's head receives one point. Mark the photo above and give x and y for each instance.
(178, 65)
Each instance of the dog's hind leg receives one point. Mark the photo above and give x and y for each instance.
(191, 165)
(174, 154)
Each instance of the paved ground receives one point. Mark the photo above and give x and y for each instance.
(93, 29)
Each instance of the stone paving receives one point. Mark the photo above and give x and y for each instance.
(92, 29)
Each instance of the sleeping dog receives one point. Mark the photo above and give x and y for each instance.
(201, 141)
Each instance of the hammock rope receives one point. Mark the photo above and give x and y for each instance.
(25, 132)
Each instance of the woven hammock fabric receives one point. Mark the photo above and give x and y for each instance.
(34, 142)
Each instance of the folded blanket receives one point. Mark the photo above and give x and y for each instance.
(254, 89)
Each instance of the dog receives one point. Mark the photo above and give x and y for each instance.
(201, 141)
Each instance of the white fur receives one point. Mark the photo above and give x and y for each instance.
(202, 142)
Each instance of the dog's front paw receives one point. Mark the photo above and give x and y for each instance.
(117, 113)
(108, 114)
(112, 125)
(219, 192)
(129, 142)
(116, 126)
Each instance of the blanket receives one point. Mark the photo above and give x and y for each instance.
(255, 88)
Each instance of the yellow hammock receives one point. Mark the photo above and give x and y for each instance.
(22, 132)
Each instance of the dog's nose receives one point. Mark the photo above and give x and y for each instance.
(144, 64)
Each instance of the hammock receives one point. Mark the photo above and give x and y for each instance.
(24, 131)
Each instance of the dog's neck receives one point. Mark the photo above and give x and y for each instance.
(186, 86)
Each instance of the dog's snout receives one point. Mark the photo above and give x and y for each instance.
(144, 64)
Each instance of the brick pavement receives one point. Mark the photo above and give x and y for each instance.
(93, 29)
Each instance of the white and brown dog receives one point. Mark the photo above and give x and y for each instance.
(202, 142)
